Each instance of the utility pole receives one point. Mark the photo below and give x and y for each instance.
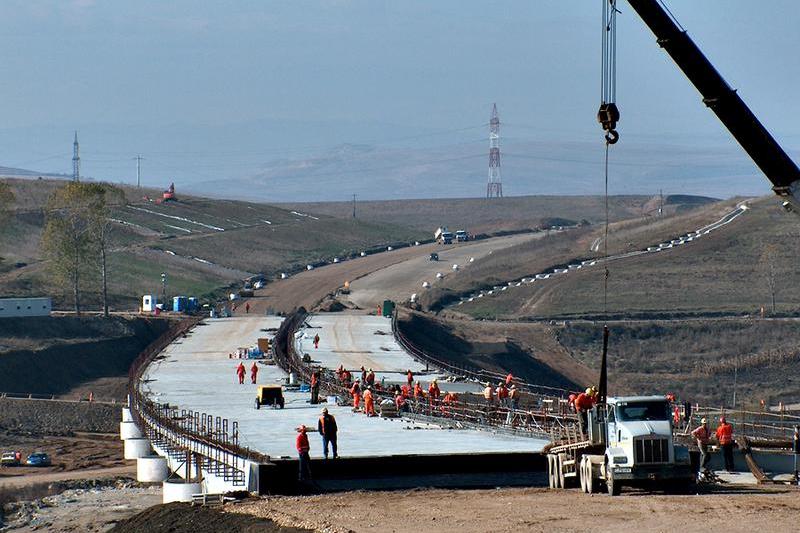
(661, 202)
(76, 159)
(138, 171)
(164, 290)
(354, 206)
(494, 188)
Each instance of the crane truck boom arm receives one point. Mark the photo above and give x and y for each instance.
(762, 148)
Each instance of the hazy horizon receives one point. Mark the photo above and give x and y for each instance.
(241, 97)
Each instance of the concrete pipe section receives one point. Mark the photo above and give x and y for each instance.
(151, 469)
(129, 430)
(136, 448)
(178, 490)
(127, 416)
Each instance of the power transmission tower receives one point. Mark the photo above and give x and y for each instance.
(138, 159)
(76, 160)
(494, 188)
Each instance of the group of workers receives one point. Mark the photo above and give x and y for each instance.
(327, 428)
(241, 371)
(724, 436)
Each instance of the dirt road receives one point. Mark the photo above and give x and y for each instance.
(529, 509)
(49, 477)
(308, 288)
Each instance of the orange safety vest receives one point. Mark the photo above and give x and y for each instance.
(725, 433)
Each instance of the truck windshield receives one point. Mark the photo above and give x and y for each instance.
(642, 411)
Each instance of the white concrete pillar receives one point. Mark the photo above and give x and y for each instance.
(129, 430)
(136, 448)
(177, 490)
(151, 469)
(127, 416)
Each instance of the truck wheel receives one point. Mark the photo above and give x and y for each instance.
(590, 486)
(258, 405)
(562, 481)
(614, 488)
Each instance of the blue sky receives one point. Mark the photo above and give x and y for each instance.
(256, 81)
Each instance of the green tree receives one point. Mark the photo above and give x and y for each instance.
(76, 235)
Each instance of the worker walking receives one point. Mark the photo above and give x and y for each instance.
(316, 341)
(410, 378)
(315, 378)
(326, 425)
(240, 371)
(369, 402)
(702, 436)
(724, 436)
(355, 390)
(303, 447)
(247, 308)
(253, 373)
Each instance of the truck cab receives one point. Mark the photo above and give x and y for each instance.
(462, 236)
(446, 237)
(639, 444)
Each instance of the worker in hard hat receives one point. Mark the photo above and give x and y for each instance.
(370, 377)
(355, 391)
(584, 402)
(240, 371)
(326, 425)
(419, 394)
(702, 436)
(316, 341)
(303, 447)
(502, 394)
(488, 394)
(369, 402)
(724, 436)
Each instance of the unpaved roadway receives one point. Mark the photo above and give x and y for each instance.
(530, 509)
(309, 288)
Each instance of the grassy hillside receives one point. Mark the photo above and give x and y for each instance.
(203, 245)
(479, 215)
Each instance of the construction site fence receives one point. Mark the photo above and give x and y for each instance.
(537, 416)
(212, 440)
(469, 371)
(760, 425)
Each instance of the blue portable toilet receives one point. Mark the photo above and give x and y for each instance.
(179, 304)
(191, 304)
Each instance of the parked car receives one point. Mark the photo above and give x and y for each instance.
(10, 458)
(38, 459)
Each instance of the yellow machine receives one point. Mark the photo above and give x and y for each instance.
(270, 395)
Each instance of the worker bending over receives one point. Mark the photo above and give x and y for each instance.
(355, 391)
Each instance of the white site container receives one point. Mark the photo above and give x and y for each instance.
(135, 448)
(151, 469)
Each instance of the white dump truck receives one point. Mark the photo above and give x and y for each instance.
(627, 441)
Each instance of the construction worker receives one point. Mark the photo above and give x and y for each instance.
(405, 390)
(513, 396)
(509, 379)
(419, 394)
(584, 402)
(502, 394)
(316, 341)
(369, 402)
(346, 377)
(247, 308)
(315, 378)
(724, 436)
(400, 403)
(240, 371)
(326, 425)
(370, 378)
(253, 373)
(410, 378)
(488, 394)
(355, 390)
(363, 375)
(702, 436)
(303, 447)
(433, 391)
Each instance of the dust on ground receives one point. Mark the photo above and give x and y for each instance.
(532, 509)
(183, 518)
(79, 506)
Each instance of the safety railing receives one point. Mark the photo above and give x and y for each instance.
(212, 441)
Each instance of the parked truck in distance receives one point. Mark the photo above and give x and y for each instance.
(462, 236)
(443, 236)
(627, 441)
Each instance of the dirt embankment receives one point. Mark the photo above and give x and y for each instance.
(528, 351)
(53, 417)
(54, 355)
